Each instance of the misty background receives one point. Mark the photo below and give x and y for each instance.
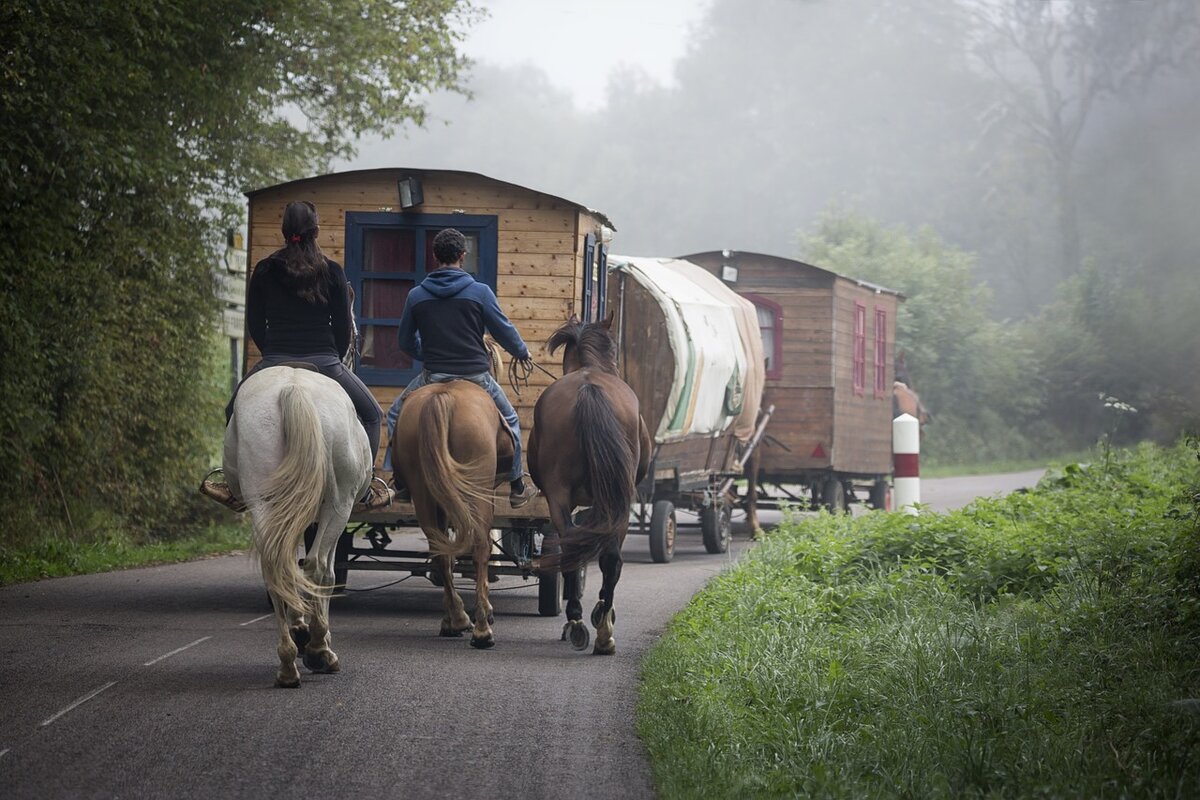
(1047, 149)
(913, 112)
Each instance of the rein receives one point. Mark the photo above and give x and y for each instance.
(519, 372)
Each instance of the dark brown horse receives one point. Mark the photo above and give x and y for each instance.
(452, 449)
(589, 447)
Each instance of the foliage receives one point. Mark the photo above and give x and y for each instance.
(975, 375)
(55, 556)
(125, 129)
(1043, 644)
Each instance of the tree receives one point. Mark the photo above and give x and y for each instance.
(126, 130)
(1057, 62)
(974, 374)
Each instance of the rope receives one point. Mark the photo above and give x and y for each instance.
(519, 372)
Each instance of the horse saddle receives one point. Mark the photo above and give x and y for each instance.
(298, 365)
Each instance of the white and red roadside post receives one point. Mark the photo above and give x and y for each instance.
(906, 463)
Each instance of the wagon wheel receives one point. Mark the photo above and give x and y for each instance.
(662, 532)
(550, 594)
(834, 495)
(716, 527)
(880, 495)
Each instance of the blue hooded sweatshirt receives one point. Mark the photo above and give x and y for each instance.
(445, 318)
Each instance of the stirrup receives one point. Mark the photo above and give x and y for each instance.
(375, 499)
(220, 491)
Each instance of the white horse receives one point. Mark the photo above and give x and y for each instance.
(296, 453)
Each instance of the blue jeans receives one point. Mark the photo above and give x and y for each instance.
(485, 381)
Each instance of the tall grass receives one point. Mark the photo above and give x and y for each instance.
(1045, 644)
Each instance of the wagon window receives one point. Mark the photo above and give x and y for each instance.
(860, 348)
(387, 255)
(881, 388)
(770, 327)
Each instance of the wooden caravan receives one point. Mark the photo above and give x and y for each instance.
(542, 255)
(829, 343)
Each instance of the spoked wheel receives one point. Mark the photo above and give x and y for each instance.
(716, 527)
(662, 532)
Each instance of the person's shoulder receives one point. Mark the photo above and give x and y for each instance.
(334, 266)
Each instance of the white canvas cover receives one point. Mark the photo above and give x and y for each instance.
(718, 353)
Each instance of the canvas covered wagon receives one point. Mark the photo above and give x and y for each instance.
(691, 350)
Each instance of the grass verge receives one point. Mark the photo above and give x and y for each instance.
(58, 555)
(1044, 644)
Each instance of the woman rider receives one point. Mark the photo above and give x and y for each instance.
(298, 309)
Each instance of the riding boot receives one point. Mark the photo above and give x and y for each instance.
(220, 491)
(379, 495)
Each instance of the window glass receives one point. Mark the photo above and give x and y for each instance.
(766, 326)
(389, 250)
(381, 348)
(384, 298)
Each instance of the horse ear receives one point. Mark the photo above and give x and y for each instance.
(574, 320)
(608, 320)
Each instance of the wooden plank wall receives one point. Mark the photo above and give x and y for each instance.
(862, 423)
(539, 248)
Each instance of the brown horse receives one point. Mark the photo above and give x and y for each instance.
(906, 401)
(452, 449)
(589, 447)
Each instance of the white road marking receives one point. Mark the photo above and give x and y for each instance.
(176, 650)
(76, 704)
(5, 750)
(256, 619)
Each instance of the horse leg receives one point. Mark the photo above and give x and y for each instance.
(456, 620)
(751, 501)
(288, 676)
(604, 615)
(482, 637)
(318, 565)
(558, 499)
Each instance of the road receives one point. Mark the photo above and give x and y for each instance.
(157, 683)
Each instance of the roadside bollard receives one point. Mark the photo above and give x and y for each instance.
(906, 462)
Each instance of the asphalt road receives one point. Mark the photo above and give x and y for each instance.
(157, 683)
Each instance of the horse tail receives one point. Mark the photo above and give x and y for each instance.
(610, 460)
(447, 480)
(292, 497)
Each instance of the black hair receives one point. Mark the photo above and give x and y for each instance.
(449, 246)
(306, 271)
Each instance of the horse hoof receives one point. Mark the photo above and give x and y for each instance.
(450, 633)
(483, 642)
(606, 649)
(580, 635)
(287, 683)
(322, 662)
(301, 637)
(598, 614)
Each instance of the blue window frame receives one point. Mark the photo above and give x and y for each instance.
(387, 254)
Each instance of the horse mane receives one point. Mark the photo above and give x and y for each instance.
(591, 341)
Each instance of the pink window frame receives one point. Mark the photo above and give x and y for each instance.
(860, 348)
(776, 310)
(881, 389)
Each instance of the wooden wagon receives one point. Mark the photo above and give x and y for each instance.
(691, 350)
(543, 256)
(829, 343)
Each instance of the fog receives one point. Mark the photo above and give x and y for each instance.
(913, 112)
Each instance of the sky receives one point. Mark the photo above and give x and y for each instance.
(578, 43)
